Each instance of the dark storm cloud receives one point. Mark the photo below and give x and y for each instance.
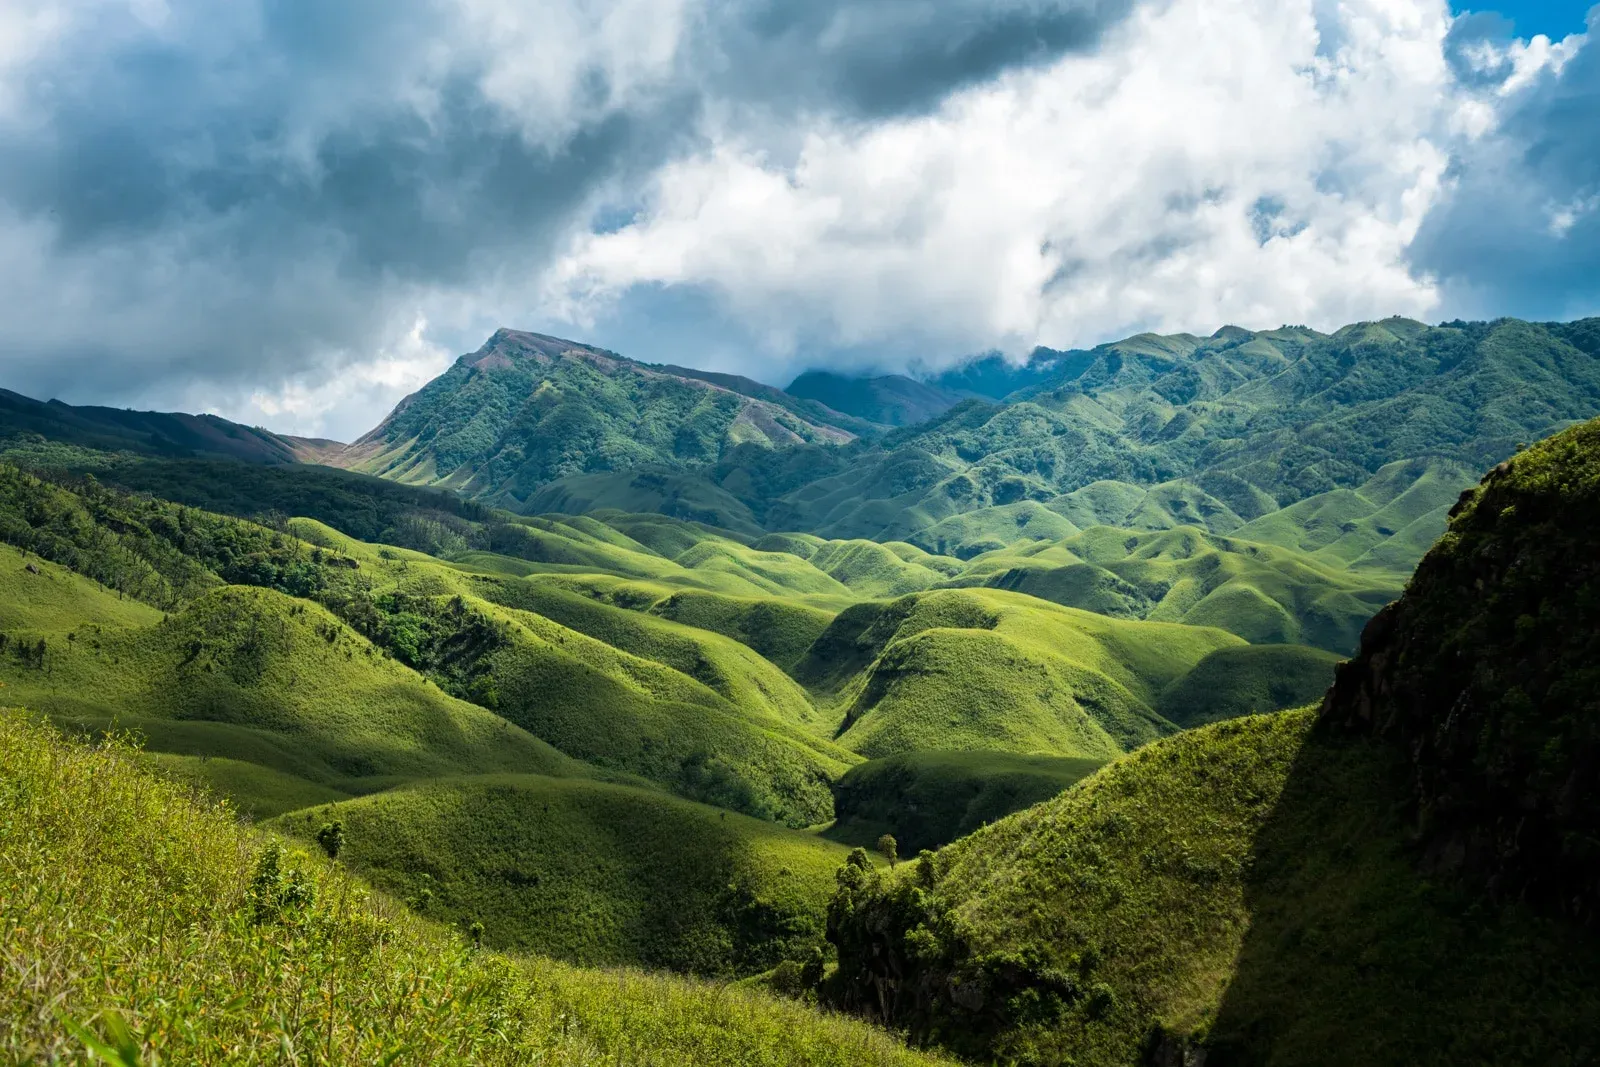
(235, 198)
(1520, 233)
(245, 193)
(875, 59)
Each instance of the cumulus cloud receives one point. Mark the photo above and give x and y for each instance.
(1211, 162)
(293, 212)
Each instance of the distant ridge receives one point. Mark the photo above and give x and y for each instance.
(890, 400)
(146, 432)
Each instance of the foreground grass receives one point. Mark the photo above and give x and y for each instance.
(140, 915)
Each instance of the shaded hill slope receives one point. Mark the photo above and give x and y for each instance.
(1247, 889)
(889, 400)
(928, 799)
(1487, 673)
(151, 433)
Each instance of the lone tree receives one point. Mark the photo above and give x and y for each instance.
(331, 838)
(890, 850)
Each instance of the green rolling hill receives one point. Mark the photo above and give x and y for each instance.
(591, 872)
(981, 669)
(252, 676)
(170, 931)
(1399, 877)
(1261, 592)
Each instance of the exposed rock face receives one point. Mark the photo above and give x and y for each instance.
(1488, 672)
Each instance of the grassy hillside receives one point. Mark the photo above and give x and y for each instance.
(1264, 593)
(252, 675)
(989, 670)
(592, 700)
(928, 799)
(591, 872)
(589, 699)
(153, 925)
(526, 409)
(36, 594)
(1247, 888)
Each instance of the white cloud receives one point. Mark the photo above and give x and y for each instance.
(348, 405)
(1213, 162)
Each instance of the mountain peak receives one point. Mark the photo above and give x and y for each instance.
(527, 409)
(506, 345)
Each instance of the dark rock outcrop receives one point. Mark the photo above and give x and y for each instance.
(1487, 672)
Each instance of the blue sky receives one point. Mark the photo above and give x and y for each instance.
(1550, 17)
(292, 212)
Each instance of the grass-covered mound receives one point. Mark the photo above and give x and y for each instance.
(928, 799)
(983, 669)
(780, 631)
(1246, 680)
(724, 665)
(254, 676)
(140, 917)
(1487, 674)
(592, 700)
(1264, 593)
(1248, 888)
(591, 872)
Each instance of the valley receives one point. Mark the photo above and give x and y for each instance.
(590, 667)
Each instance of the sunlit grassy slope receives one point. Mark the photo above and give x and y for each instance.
(253, 675)
(602, 703)
(595, 642)
(36, 594)
(1262, 592)
(1246, 886)
(592, 872)
(143, 918)
(985, 669)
